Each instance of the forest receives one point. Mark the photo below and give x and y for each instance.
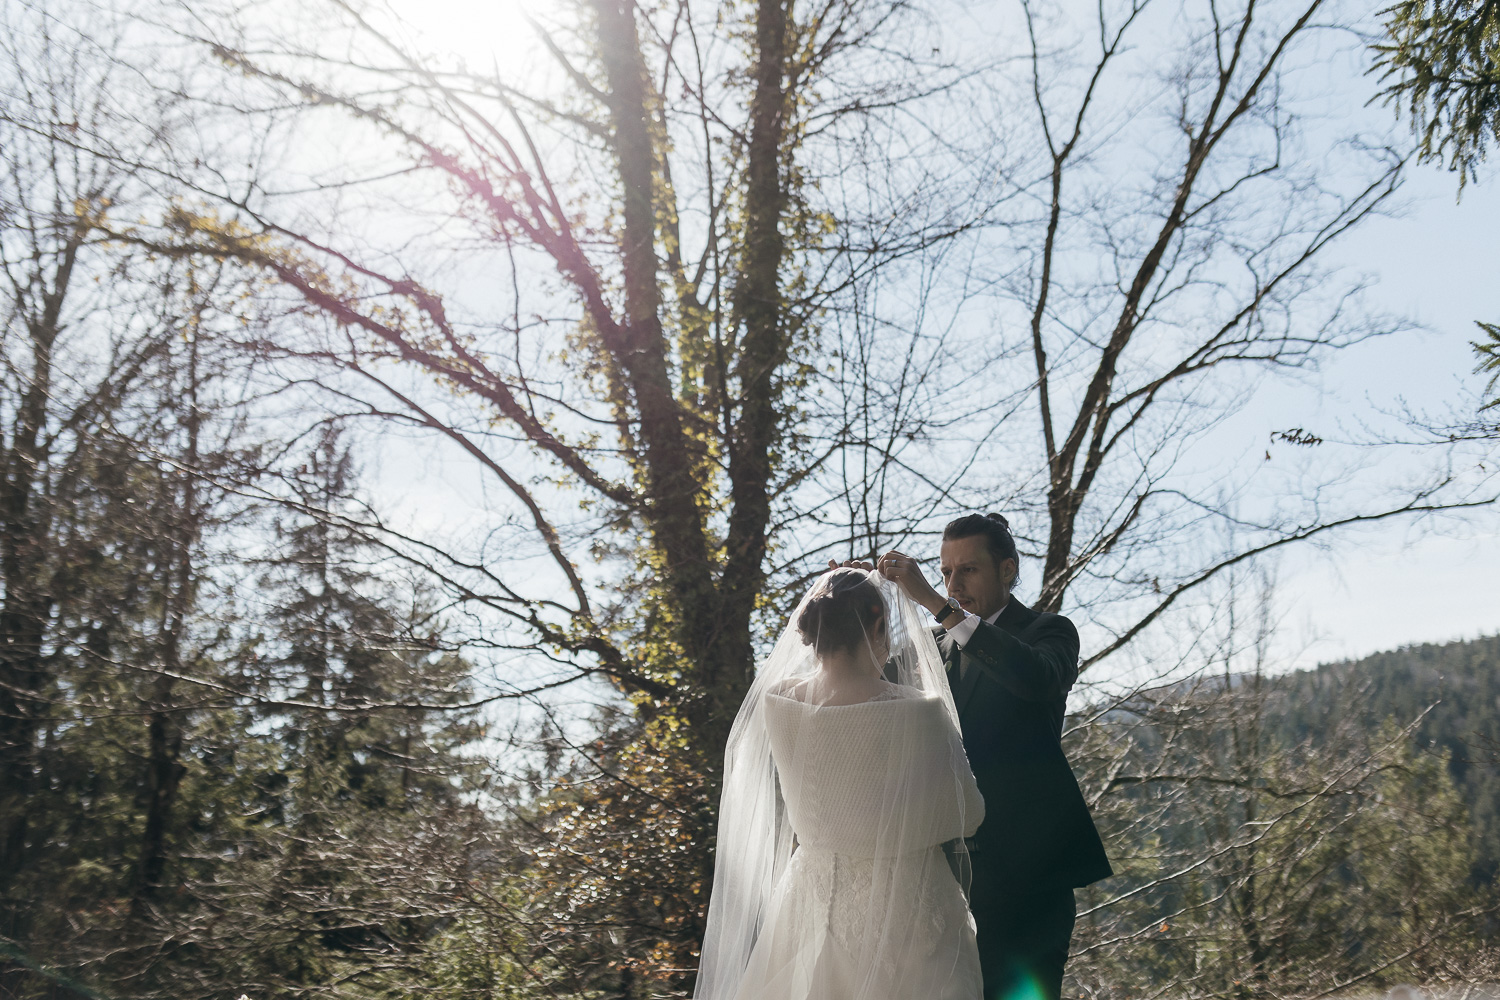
(408, 450)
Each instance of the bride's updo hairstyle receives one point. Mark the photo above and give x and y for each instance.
(841, 612)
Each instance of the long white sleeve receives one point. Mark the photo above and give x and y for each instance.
(963, 631)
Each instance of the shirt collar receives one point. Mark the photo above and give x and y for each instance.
(991, 619)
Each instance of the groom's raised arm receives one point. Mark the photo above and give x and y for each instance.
(1041, 669)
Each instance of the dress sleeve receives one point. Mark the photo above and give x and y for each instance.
(973, 801)
(950, 803)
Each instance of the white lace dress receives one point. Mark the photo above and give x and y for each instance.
(867, 908)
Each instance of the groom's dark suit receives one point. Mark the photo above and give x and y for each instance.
(1010, 682)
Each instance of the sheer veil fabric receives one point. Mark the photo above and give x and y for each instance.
(830, 879)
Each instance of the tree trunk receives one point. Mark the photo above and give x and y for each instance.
(24, 530)
(180, 525)
(665, 462)
(759, 307)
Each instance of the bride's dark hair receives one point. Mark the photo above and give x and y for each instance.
(840, 612)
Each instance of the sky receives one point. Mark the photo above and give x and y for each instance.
(1435, 262)
(1440, 264)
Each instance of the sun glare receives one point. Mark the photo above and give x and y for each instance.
(480, 32)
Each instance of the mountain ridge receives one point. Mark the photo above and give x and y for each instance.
(1457, 685)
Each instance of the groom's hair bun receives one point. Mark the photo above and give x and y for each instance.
(997, 536)
(840, 612)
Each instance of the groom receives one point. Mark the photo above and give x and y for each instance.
(1010, 669)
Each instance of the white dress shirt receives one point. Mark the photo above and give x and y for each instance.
(963, 631)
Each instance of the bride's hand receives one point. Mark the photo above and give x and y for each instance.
(907, 574)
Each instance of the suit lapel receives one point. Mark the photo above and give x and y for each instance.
(948, 650)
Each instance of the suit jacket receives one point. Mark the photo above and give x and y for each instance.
(1037, 833)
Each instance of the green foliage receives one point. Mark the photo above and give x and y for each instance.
(1260, 855)
(321, 821)
(1488, 352)
(1457, 685)
(1441, 59)
(1441, 65)
(487, 955)
(615, 870)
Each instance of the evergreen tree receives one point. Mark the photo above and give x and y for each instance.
(1441, 59)
(362, 707)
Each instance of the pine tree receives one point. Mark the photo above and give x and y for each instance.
(375, 776)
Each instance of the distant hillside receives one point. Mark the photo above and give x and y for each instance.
(1462, 681)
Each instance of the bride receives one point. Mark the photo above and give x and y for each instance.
(844, 775)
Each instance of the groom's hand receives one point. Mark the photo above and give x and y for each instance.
(850, 564)
(907, 574)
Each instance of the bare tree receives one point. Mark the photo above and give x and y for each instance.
(666, 264)
(1164, 256)
(694, 366)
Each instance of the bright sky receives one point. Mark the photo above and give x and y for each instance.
(481, 33)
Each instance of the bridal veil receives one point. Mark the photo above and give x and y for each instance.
(829, 876)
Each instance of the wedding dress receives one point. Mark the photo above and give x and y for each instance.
(831, 882)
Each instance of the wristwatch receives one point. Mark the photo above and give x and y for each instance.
(949, 607)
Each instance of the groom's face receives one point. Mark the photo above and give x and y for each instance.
(972, 576)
